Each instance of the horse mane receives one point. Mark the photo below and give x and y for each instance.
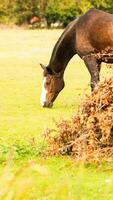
(68, 28)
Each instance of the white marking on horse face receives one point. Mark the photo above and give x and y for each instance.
(43, 93)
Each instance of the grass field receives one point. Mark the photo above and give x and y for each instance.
(24, 173)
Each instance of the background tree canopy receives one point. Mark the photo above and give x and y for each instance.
(21, 11)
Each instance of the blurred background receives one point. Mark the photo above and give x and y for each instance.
(47, 13)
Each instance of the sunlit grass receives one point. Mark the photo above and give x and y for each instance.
(54, 179)
(23, 120)
(21, 79)
(21, 51)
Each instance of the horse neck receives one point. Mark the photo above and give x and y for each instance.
(63, 50)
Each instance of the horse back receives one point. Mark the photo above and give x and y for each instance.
(94, 32)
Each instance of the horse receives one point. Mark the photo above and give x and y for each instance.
(91, 37)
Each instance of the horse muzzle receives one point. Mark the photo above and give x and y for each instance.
(47, 105)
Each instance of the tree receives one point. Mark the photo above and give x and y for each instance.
(52, 13)
(83, 6)
(24, 10)
(21, 11)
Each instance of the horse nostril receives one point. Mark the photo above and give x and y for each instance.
(47, 104)
(50, 105)
(44, 104)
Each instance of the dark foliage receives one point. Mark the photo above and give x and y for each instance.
(21, 11)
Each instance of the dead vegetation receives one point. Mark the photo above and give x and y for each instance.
(88, 136)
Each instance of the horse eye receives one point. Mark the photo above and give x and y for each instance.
(47, 82)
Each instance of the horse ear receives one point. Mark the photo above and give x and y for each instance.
(42, 66)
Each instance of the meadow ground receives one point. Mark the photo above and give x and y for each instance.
(24, 173)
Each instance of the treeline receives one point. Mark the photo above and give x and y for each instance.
(22, 11)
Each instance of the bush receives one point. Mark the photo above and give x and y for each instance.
(19, 11)
(89, 134)
(24, 10)
(62, 11)
(21, 148)
(68, 15)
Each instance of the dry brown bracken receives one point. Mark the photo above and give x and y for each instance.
(88, 136)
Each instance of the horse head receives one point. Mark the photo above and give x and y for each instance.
(53, 83)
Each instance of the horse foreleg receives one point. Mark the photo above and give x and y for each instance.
(93, 66)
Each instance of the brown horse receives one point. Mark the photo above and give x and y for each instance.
(91, 37)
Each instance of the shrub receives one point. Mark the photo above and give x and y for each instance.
(21, 148)
(89, 134)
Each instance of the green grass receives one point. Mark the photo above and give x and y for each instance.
(24, 174)
(54, 179)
